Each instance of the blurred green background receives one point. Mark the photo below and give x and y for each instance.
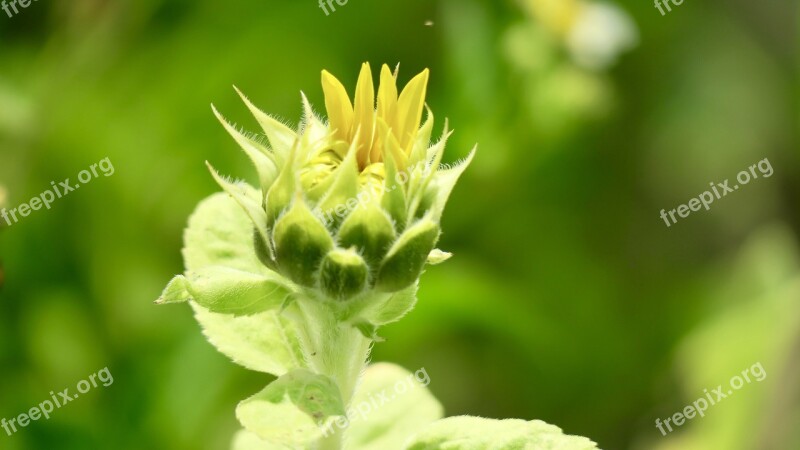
(568, 299)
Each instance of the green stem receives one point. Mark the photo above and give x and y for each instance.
(334, 349)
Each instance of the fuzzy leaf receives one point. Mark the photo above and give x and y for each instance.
(292, 410)
(437, 256)
(232, 291)
(263, 342)
(369, 331)
(253, 209)
(175, 292)
(477, 433)
(391, 404)
(379, 308)
(245, 440)
(220, 234)
(396, 306)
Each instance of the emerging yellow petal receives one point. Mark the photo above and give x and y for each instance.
(337, 102)
(409, 110)
(393, 118)
(364, 120)
(387, 107)
(387, 95)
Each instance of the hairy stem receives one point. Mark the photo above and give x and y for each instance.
(334, 349)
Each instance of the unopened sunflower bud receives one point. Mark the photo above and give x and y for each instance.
(367, 180)
(343, 274)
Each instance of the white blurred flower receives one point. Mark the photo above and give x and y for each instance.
(600, 32)
(594, 33)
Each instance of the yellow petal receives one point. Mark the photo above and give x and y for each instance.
(364, 119)
(409, 110)
(337, 102)
(387, 107)
(387, 95)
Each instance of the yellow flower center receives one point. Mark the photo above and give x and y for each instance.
(369, 125)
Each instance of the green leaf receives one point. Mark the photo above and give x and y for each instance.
(396, 306)
(437, 256)
(292, 410)
(477, 433)
(263, 342)
(368, 330)
(175, 292)
(220, 234)
(239, 192)
(232, 291)
(245, 440)
(378, 308)
(758, 290)
(391, 404)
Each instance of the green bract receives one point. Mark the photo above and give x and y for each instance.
(295, 279)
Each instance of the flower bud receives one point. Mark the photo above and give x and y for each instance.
(352, 203)
(403, 264)
(369, 230)
(300, 243)
(343, 274)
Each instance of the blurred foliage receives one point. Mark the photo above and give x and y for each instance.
(568, 299)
